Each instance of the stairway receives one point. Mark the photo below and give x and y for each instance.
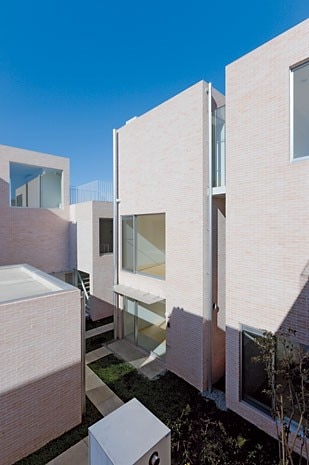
(83, 283)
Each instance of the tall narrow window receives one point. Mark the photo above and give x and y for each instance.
(254, 377)
(150, 245)
(218, 162)
(127, 243)
(300, 111)
(106, 235)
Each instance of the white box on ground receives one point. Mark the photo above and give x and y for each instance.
(131, 435)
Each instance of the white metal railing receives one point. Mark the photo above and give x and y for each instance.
(96, 190)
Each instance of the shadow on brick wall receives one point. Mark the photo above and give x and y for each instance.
(187, 354)
(39, 411)
(37, 236)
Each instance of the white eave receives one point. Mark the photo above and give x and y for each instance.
(137, 294)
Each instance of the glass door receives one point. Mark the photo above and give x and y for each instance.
(151, 328)
(145, 326)
(129, 320)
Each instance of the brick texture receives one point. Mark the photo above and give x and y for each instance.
(163, 169)
(39, 237)
(40, 384)
(85, 250)
(267, 248)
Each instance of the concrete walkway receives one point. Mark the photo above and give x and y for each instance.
(146, 364)
(102, 397)
(99, 330)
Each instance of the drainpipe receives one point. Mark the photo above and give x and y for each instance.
(209, 305)
(83, 351)
(115, 228)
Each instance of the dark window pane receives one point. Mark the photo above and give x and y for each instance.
(254, 377)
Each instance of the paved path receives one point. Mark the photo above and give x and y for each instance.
(104, 399)
(99, 330)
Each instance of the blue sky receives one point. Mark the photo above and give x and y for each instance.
(71, 71)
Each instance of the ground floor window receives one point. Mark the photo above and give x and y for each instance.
(287, 373)
(254, 377)
(145, 325)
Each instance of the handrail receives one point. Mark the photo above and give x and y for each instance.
(83, 285)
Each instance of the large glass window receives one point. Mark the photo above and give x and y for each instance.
(254, 377)
(35, 186)
(106, 235)
(218, 156)
(127, 243)
(143, 244)
(300, 111)
(289, 361)
(145, 325)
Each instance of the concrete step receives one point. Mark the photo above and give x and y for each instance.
(99, 330)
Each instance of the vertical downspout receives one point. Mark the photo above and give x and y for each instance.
(209, 287)
(83, 351)
(115, 228)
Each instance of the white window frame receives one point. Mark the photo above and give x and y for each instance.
(292, 71)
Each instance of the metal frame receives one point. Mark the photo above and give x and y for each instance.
(208, 312)
(291, 119)
(134, 221)
(255, 405)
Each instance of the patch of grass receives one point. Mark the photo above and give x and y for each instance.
(64, 442)
(98, 341)
(201, 434)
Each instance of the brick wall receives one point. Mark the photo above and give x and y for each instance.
(163, 169)
(40, 388)
(85, 239)
(267, 205)
(36, 236)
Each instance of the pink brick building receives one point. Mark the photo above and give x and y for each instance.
(41, 388)
(91, 245)
(190, 286)
(163, 269)
(267, 184)
(40, 227)
(42, 329)
(34, 235)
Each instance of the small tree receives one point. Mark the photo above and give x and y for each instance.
(287, 368)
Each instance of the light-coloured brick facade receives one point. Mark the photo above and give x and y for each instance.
(163, 168)
(85, 250)
(37, 236)
(41, 382)
(41, 376)
(55, 240)
(267, 247)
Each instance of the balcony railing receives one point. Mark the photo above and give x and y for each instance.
(218, 162)
(96, 190)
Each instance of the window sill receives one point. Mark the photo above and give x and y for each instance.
(137, 273)
(299, 159)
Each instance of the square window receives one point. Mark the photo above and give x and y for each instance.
(35, 186)
(143, 244)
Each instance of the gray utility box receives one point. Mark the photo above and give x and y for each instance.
(131, 435)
